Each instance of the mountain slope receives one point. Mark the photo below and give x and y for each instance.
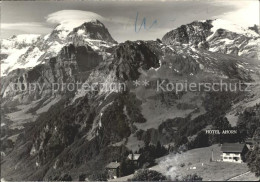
(217, 36)
(98, 120)
(81, 131)
(13, 48)
(36, 50)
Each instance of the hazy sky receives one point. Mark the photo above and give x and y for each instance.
(123, 18)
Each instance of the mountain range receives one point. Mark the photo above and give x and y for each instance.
(47, 135)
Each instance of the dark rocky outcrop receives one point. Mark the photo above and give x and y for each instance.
(81, 135)
(199, 34)
(192, 33)
(69, 66)
(131, 56)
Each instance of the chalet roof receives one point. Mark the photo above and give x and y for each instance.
(113, 165)
(135, 156)
(232, 147)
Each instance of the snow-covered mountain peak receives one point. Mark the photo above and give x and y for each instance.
(67, 20)
(66, 27)
(26, 51)
(227, 25)
(26, 38)
(79, 31)
(94, 30)
(70, 25)
(217, 36)
(18, 41)
(14, 47)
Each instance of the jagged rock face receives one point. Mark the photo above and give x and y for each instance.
(59, 139)
(130, 56)
(181, 60)
(19, 41)
(228, 42)
(82, 58)
(70, 66)
(84, 134)
(14, 47)
(192, 33)
(3, 56)
(93, 30)
(69, 136)
(29, 52)
(255, 28)
(208, 35)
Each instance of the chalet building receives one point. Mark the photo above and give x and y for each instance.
(252, 142)
(113, 170)
(135, 158)
(233, 152)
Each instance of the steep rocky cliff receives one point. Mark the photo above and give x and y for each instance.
(216, 36)
(81, 131)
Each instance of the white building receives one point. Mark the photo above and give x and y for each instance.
(233, 152)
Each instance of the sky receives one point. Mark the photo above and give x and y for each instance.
(123, 18)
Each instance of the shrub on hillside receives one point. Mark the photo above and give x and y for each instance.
(148, 175)
(126, 167)
(254, 161)
(201, 140)
(150, 152)
(189, 177)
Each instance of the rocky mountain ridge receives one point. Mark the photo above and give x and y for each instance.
(217, 36)
(93, 34)
(80, 132)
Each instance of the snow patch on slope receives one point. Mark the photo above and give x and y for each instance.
(8, 63)
(19, 40)
(14, 47)
(223, 24)
(32, 59)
